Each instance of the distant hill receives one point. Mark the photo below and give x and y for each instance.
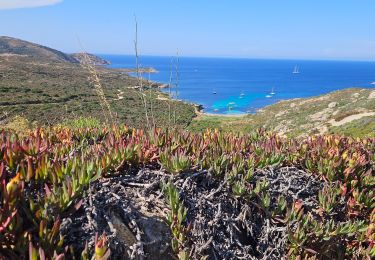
(46, 86)
(12, 46)
(15, 47)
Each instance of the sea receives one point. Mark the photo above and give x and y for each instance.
(239, 86)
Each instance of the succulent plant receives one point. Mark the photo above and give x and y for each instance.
(58, 164)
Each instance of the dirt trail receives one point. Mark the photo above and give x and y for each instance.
(162, 98)
(351, 118)
(120, 94)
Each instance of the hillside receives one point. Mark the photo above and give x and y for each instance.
(16, 47)
(43, 86)
(348, 111)
(48, 94)
(95, 60)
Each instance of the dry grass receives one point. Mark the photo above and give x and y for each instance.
(139, 76)
(95, 80)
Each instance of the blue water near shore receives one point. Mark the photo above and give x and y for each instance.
(244, 85)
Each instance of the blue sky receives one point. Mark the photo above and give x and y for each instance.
(296, 29)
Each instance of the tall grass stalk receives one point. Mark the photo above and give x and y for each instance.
(177, 73)
(151, 104)
(170, 92)
(94, 78)
(139, 75)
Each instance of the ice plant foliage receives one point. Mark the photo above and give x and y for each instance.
(44, 175)
(176, 220)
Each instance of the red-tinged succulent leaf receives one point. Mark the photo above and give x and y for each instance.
(30, 172)
(343, 189)
(298, 204)
(58, 257)
(102, 252)
(55, 228)
(42, 254)
(78, 205)
(7, 221)
(320, 211)
(47, 190)
(310, 250)
(33, 253)
(155, 157)
(2, 170)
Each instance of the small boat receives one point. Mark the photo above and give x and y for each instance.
(272, 92)
(268, 96)
(242, 94)
(231, 105)
(214, 92)
(372, 83)
(296, 70)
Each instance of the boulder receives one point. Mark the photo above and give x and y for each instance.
(333, 104)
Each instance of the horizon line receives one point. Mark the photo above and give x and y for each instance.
(238, 57)
(348, 59)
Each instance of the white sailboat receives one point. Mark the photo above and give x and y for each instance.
(296, 70)
(271, 94)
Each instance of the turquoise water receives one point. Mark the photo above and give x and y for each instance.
(236, 86)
